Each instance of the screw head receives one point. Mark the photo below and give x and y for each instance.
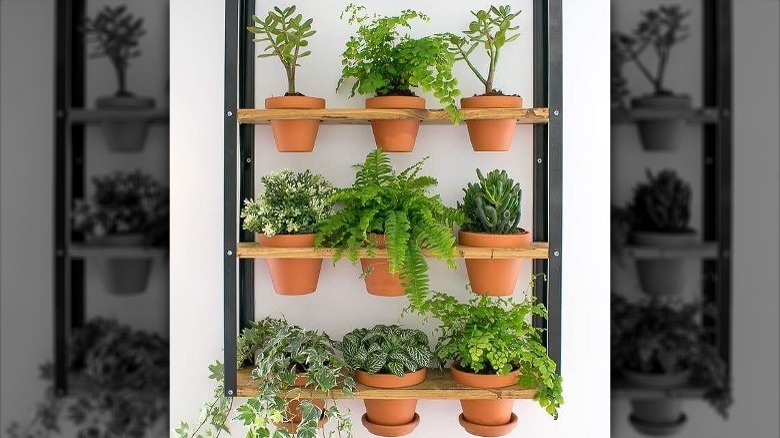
(556, 112)
(539, 160)
(230, 113)
(230, 392)
(248, 160)
(556, 253)
(230, 253)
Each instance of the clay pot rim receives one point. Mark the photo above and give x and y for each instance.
(414, 102)
(522, 232)
(415, 377)
(291, 98)
(398, 430)
(478, 97)
(500, 430)
(456, 371)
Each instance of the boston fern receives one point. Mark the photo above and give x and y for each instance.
(490, 335)
(381, 61)
(492, 205)
(386, 350)
(399, 206)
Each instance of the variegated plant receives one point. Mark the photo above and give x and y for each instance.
(387, 350)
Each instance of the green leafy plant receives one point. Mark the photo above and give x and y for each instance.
(660, 29)
(662, 204)
(122, 390)
(254, 338)
(399, 206)
(494, 336)
(665, 337)
(618, 59)
(386, 349)
(116, 34)
(124, 203)
(286, 33)
(291, 203)
(214, 414)
(382, 61)
(491, 29)
(492, 205)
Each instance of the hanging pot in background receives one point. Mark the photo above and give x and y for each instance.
(662, 134)
(657, 417)
(121, 135)
(665, 276)
(123, 275)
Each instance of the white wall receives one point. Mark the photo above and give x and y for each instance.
(341, 303)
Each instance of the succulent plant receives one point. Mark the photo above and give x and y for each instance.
(492, 205)
(662, 204)
(386, 349)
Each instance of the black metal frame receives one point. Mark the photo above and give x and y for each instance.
(239, 172)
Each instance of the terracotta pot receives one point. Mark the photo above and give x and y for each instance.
(390, 417)
(494, 277)
(491, 134)
(295, 135)
(123, 275)
(495, 414)
(665, 276)
(292, 409)
(395, 135)
(125, 136)
(657, 417)
(661, 134)
(379, 280)
(292, 276)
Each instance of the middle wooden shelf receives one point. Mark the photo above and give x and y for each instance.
(252, 250)
(438, 385)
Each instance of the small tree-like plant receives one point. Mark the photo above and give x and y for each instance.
(116, 34)
(382, 61)
(492, 205)
(286, 33)
(491, 30)
(387, 350)
(660, 29)
(662, 204)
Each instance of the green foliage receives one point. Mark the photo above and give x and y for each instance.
(399, 206)
(115, 33)
(254, 338)
(384, 62)
(213, 420)
(662, 204)
(386, 350)
(491, 29)
(660, 29)
(285, 33)
(492, 205)
(618, 58)
(124, 203)
(292, 203)
(663, 337)
(489, 335)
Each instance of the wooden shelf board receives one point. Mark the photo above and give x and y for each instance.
(702, 115)
(438, 385)
(362, 116)
(704, 250)
(621, 389)
(133, 252)
(249, 250)
(80, 115)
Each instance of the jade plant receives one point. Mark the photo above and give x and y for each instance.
(660, 29)
(487, 335)
(400, 206)
(491, 30)
(382, 61)
(492, 205)
(116, 34)
(286, 34)
(665, 337)
(662, 204)
(387, 350)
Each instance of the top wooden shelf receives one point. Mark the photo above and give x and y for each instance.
(252, 250)
(702, 250)
(363, 116)
(631, 115)
(622, 389)
(81, 115)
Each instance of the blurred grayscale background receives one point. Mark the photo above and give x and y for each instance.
(695, 241)
(84, 213)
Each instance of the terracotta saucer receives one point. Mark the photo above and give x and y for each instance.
(381, 430)
(657, 429)
(482, 430)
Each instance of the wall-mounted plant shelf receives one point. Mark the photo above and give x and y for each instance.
(363, 116)
(705, 250)
(622, 389)
(438, 385)
(125, 252)
(251, 250)
(702, 115)
(87, 116)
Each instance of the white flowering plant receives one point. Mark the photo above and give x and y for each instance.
(291, 203)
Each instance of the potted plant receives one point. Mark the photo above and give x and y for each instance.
(286, 214)
(492, 344)
(388, 357)
(286, 35)
(383, 62)
(660, 29)
(660, 344)
(492, 210)
(659, 215)
(491, 30)
(127, 210)
(116, 34)
(386, 209)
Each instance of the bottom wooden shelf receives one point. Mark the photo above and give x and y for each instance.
(437, 385)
